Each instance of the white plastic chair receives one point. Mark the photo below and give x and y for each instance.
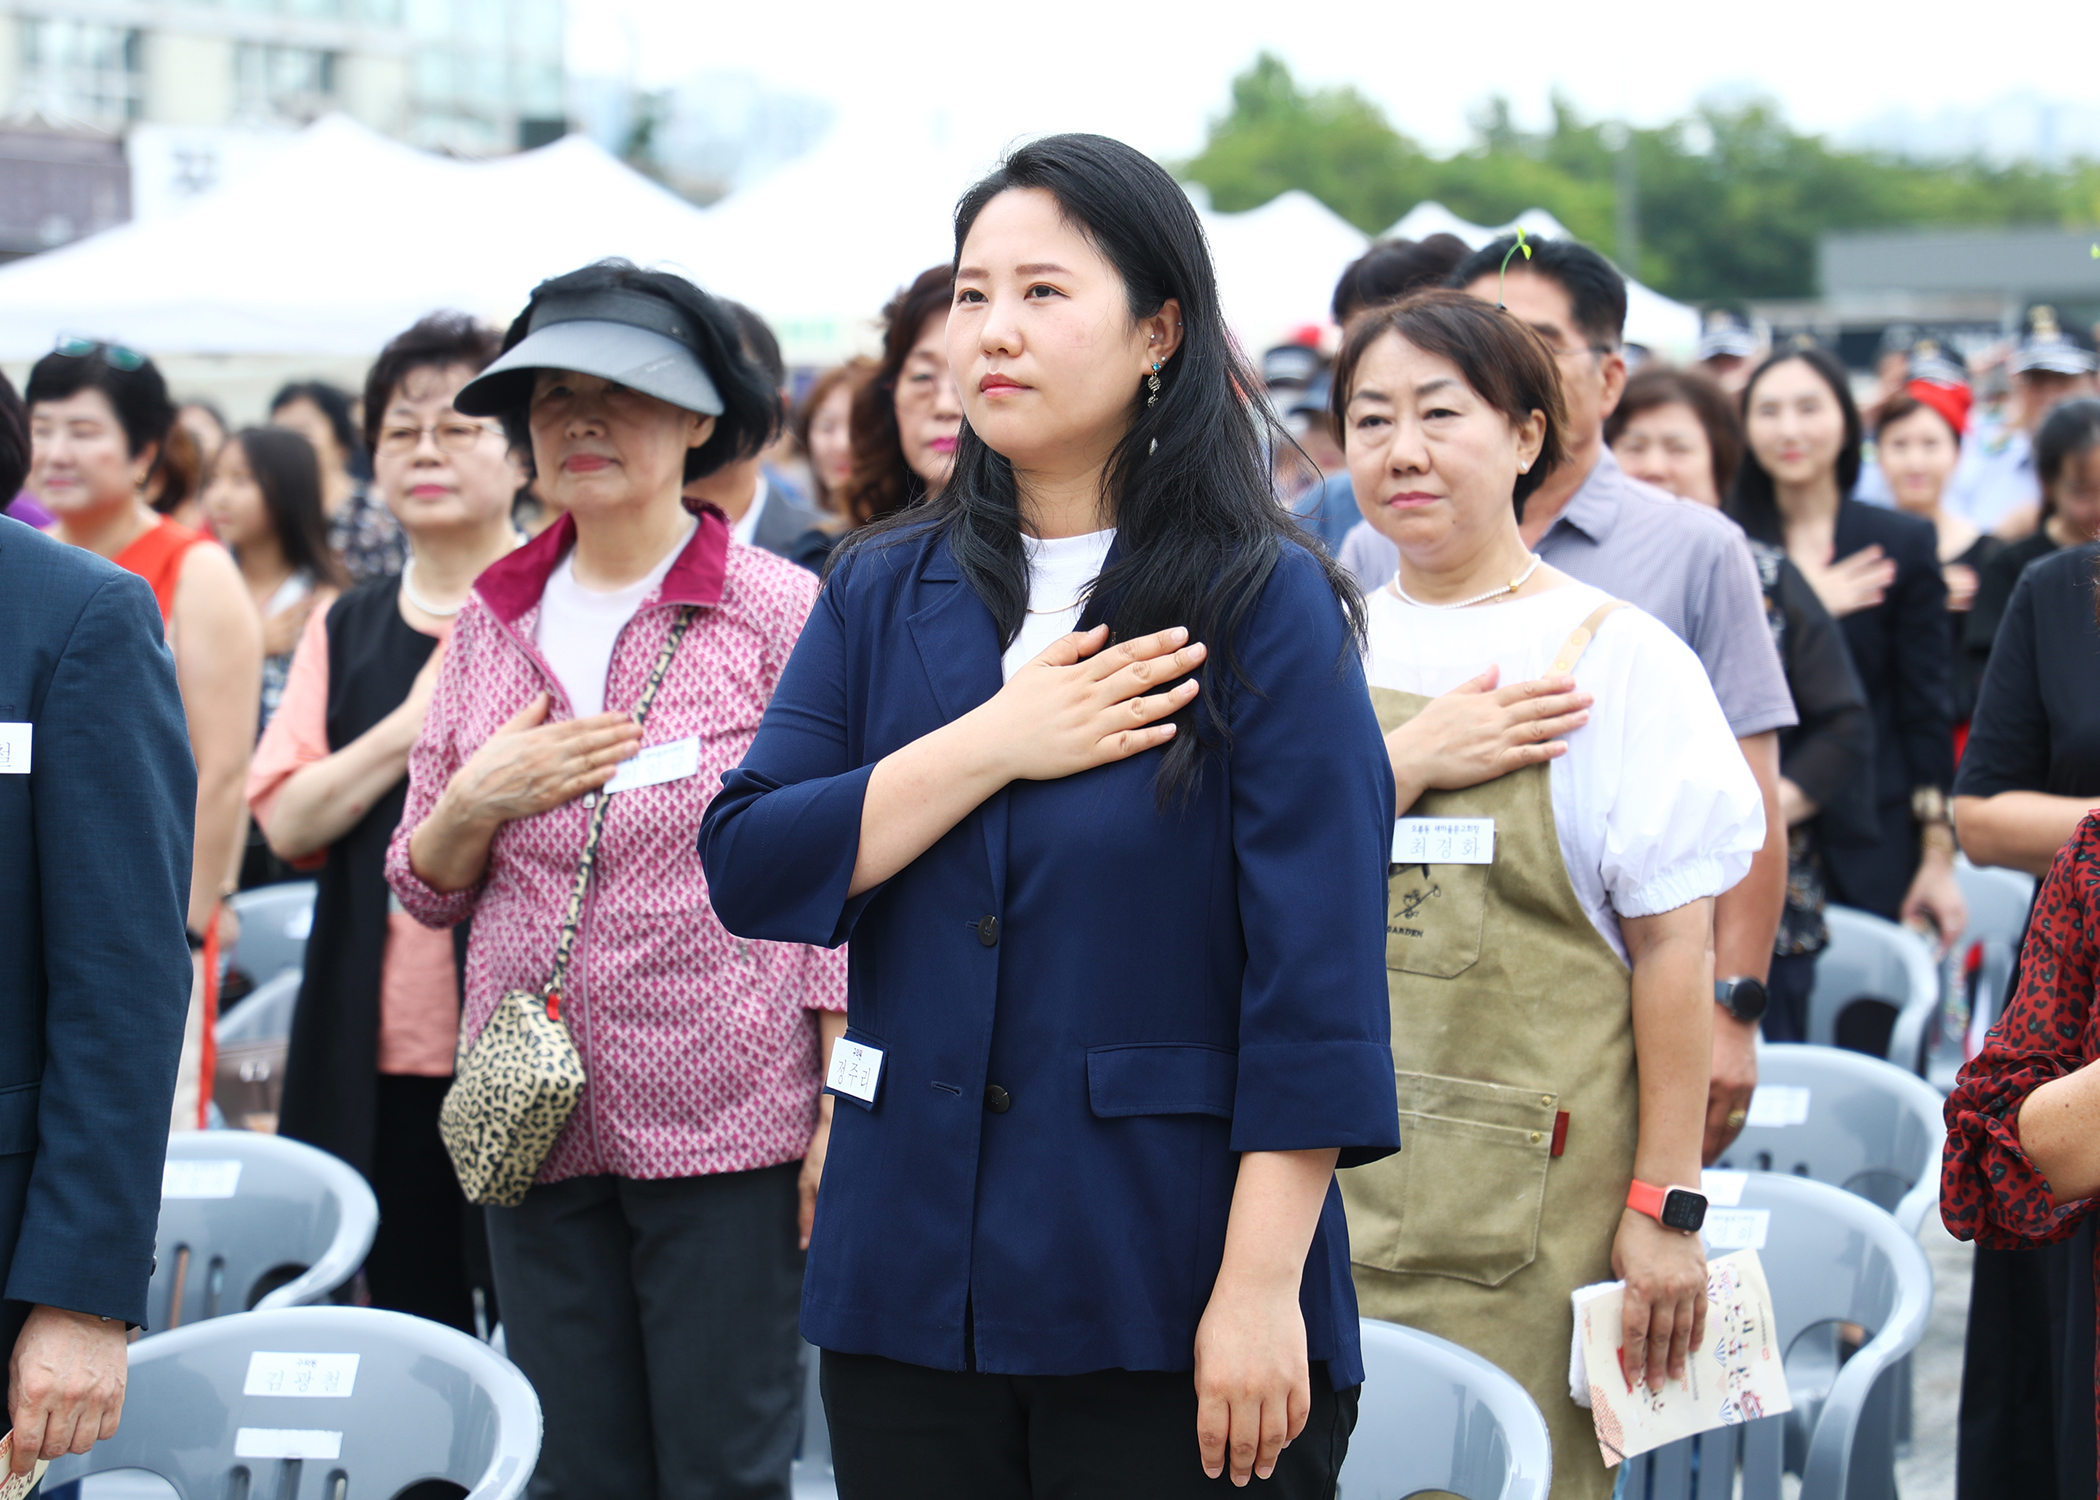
(1871, 1129)
(1872, 960)
(275, 921)
(812, 1478)
(1829, 1257)
(253, 1221)
(1979, 970)
(208, 1409)
(1435, 1416)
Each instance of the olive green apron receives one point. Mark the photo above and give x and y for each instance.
(1511, 1016)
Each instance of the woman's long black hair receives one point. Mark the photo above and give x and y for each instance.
(1753, 504)
(1198, 522)
(288, 472)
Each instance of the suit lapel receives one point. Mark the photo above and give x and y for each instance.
(958, 644)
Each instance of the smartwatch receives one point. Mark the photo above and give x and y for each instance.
(1671, 1207)
(1743, 998)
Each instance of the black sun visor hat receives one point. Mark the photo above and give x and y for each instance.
(627, 337)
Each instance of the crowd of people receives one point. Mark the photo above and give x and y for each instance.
(1005, 839)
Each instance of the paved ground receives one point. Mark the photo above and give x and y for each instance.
(1927, 1471)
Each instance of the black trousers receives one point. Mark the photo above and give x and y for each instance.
(1793, 975)
(904, 1432)
(431, 1251)
(2026, 1428)
(656, 1320)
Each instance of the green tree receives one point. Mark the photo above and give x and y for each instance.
(1731, 200)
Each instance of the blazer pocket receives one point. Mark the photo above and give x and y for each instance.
(18, 1118)
(1434, 915)
(1465, 1195)
(1161, 1078)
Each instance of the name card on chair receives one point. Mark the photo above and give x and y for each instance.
(1777, 1104)
(275, 1374)
(286, 1442)
(199, 1179)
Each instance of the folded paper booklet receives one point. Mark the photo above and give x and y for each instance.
(15, 1486)
(1735, 1375)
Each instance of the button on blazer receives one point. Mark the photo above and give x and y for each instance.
(1087, 1003)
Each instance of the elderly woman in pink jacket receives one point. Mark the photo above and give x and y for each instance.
(649, 1280)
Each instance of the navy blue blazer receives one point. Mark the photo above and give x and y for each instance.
(1087, 1005)
(94, 971)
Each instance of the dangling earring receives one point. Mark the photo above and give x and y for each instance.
(1152, 383)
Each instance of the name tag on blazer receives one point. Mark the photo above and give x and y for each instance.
(1443, 841)
(672, 761)
(856, 1071)
(14, 749)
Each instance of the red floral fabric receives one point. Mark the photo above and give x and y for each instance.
(700, 1048)
(1989, 1191)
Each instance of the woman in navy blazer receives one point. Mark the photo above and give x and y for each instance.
(1117, 964)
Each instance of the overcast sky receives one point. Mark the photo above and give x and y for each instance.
(1154, 71)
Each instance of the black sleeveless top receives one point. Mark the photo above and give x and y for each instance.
(330, 1085)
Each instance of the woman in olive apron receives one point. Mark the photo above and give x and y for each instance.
(1547, 931)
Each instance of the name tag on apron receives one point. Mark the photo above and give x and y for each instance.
(856, 1070)
(1443, 841)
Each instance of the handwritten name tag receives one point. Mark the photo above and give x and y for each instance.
(1443, 841)
(673, 760)
(14, 749)
(856, 1070)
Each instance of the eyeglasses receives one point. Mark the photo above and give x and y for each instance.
(455, 436)
(116, 356)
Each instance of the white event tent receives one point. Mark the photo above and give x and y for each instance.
(1652, 320)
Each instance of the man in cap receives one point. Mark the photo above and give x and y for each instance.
(1996, 486)
(1727, 350)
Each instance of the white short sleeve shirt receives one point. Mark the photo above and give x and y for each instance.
(1653, 804)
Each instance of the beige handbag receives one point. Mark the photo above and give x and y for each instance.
(515, 1088)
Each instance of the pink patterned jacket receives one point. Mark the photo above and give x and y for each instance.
(700, 1048)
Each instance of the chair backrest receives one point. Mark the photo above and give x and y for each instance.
(263, 1015)
(253, 1221)
(275, 921)
(1829, 1257)
(1872, 959)
(1979, 969)
(1864, 1125)
(369, 1402)
(1435, 1416)
(812, 1479)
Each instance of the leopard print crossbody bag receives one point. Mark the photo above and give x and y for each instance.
(514, 1089)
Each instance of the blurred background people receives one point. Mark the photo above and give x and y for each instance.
(1999, 486)
(264, 504)
(1727, 350)
(650, 1278)
(1386, 272)
(2066, 454)
(1678, 430)
(1793, 490)
(906, 417)
(175, 489)
(99, 416)
(823, 427)
(763, 508)
(361, 531)
(14, 430)
(206, 425)
(377, 1020)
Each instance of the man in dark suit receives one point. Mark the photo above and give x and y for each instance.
(96, 794)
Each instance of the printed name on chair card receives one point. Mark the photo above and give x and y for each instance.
(1776, 1104)
(856, 1069)
(200, 1179)
(1443, 841)
(277, 1374)
(14, 749)
(674, 760)
(286, 1442)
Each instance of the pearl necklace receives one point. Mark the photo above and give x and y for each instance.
(1494, 593)
(408, 588)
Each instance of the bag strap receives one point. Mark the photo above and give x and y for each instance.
(1571, 650)
(558, 980)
